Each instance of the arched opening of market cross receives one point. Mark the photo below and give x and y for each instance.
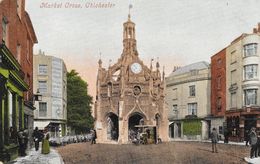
(135, 120)
(112, 126)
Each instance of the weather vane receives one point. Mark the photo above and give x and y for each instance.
(130, 7)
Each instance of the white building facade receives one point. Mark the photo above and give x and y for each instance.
(50, 79)
(243, 84)
(188, 101)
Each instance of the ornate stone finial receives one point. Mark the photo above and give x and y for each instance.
(129, 15)
(151, 66)
(110, 61)
(157, 63)
(100, 61)
(163, 73)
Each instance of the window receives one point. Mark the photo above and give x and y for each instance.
(18, 49)
(4, 30)
(194, 72)
(42, 86)
(233, 100)
(220, 130)
(250, 49)
(42, 69)
(174, 94)
(233, 77)
(250, 71)
(192, 109)
(10, 108)
(219, 82)
(219, 63)
(192, 90)
(219, 104)
(28, 49)
(250, 96)
(174, 107)
(233, 56)
(42, 109)
(19, 8)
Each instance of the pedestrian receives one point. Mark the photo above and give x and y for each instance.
(247, 137)
(258, 144)
(37, 138)
(21, 141)
(214, 140)
(253, 142)
(13, 135)
(26, 138)
(94, 136)
(46, 144)
(225, 136)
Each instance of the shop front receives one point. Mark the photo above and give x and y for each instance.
(12, 87)
(240, 122)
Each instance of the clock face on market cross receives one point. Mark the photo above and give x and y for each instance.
(136, 68)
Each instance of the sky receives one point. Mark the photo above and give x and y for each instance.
(174, 32)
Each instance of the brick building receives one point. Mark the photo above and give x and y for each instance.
(218, 90)
(17, 38)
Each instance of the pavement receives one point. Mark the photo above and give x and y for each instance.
(247, 159)
(34, 157)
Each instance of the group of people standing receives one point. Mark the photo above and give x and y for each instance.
(40, 137)
(23, 139)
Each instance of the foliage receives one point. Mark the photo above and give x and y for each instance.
(192, 127)
(78, 103)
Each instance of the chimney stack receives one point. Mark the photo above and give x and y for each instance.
(254, 30)
(258, 27)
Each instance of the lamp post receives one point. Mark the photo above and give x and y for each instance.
(37, 96)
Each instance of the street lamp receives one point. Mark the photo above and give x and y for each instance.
(38, 96)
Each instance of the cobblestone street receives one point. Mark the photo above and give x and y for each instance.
(172, 152)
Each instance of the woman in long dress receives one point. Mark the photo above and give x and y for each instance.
(46, 144)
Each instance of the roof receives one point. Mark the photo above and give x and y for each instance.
(188, 68)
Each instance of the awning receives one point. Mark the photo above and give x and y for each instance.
(170, 122)
(41, 124)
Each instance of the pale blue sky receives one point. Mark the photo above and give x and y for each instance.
(179, 32)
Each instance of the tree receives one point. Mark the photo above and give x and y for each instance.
(78, 103)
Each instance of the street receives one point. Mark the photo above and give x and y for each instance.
(172, 152)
